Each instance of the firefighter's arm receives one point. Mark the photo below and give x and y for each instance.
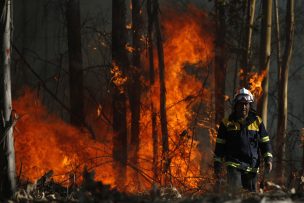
(265, 147)
(219, 149)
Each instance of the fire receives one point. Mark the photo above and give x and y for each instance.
(255, 83)
(188, 48)
(118, 77)
(99, 110)
(44, 142)
(189, 44)
(129, 26)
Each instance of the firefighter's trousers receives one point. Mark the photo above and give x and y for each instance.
(237, 179)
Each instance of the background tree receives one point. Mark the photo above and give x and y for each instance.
(135, 85)
(248, 42)
(120, 58)
(163, 111)
(151, 18)
(220, 61)
(75, 62)
(7, 151)
(265, 56)
(283, 90)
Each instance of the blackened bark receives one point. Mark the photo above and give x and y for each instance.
(283, 91)
(120, 58)
(7, 152)
(163, 111)
(151, 15)
(135, 86)
(75, 62)
(220, 62)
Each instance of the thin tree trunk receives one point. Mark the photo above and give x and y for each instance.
(238, 59)
(163, 113)
(277, 34)
(7, 152)
(120, 58)
(135, 86)
(248, 39)
(265, 57)
(75, 62)
(151, 15)
(283, 90)
(220, 62)
(302, 135)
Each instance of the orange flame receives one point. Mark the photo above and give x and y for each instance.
(188, 49)
(44, 142)
(255, 83)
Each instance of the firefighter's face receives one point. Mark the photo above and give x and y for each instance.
(242, 108)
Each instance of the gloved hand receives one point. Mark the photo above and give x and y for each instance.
(268, 167)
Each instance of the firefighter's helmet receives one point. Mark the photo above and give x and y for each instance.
(243, 94)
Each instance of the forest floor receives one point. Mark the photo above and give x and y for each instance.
(97, 192)
(46, 190)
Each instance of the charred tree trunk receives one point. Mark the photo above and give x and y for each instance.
(7, 152)
(283, 91)
(135, 86)
(220, 62)
(75, 62)
(265, 57)
(151, 15)
(120, 58)
(247, 45)
(163, 112)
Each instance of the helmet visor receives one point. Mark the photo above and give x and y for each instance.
(246, 97)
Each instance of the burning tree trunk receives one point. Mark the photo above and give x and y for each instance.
(120, 58)
(283, 88)
(151, 15)
(135, 86)
(247, 48)
(75, 62)
(163, 112)
(220, 62)
(7, 152)
(265, 57)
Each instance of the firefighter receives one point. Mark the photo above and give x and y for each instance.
(242, 141)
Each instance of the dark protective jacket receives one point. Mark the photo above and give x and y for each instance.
(241, 145)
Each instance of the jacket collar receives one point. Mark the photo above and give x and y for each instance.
(252, 116)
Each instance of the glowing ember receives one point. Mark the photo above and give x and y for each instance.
(129, 48)
(118, 77)
(129, 26)
(99, 109)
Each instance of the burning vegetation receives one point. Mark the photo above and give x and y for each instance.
(154, 131)
(45, 142)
